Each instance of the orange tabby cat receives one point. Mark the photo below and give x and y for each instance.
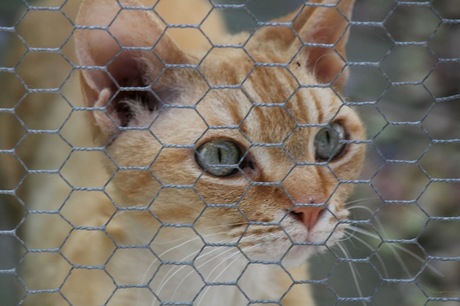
(214, 174)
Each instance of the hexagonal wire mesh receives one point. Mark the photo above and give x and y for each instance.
(404, 81)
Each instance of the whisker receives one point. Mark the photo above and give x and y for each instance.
(393, 248)
(199, 235)
(167, 277)
(354, 273)
(379, 258)
(221, 272)
(144, 277)
(367, 209)
(239, 251)
(361, 200)
(346, 237)
(431, 268)
(203, 264)
(364, 232)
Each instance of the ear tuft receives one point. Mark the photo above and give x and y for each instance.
(123, 50)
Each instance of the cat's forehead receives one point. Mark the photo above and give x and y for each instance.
(254, 94)
(269, 79)
(265, 103)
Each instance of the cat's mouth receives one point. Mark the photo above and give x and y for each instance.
(294, 239)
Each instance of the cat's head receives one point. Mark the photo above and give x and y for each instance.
(254, 143)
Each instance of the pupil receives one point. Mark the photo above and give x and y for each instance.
(219, 155)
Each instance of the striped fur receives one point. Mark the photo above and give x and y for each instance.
(160, 225)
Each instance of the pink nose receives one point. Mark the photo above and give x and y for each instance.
(307, 215)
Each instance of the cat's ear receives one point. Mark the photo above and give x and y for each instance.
(323, 27)
(122, 46)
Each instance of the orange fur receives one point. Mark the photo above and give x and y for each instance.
(152, 204)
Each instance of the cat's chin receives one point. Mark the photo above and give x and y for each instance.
(321, 241)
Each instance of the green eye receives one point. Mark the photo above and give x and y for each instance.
(329, 142)
(219, 157)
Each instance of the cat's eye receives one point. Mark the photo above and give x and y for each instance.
(329, 142)
(219, 157)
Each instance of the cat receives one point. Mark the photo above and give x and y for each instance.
(204, 176)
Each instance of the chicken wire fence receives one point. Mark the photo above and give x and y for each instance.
(404, 61)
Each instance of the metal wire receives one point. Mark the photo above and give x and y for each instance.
(404, 61)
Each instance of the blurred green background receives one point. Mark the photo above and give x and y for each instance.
(405, 82)
(10, 288)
